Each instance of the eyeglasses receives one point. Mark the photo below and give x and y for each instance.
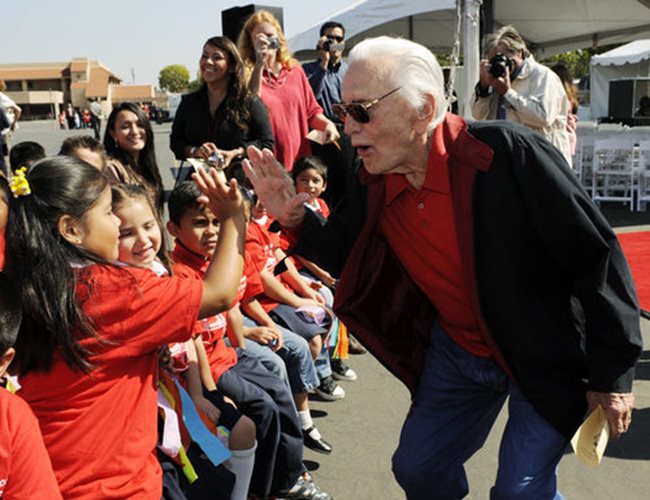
(336, 38)
(358, 111)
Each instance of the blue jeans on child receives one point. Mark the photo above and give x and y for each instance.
(293, 360)
(456, 404)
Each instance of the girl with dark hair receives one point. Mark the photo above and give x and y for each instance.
(87, 348)
(222, 117)
(129, 143)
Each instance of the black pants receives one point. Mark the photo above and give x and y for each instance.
(96, 124)
(266, 399)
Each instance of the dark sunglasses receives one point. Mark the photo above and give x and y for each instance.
(358, 111)
(339, 39)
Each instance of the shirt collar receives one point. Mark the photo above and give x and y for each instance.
(183, 255)
(437, 178)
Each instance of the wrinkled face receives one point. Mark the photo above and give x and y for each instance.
(92, 157)
(337, 37)
(311, 182)
(213, 64)
(140, 236)
(198, 231)
(100, 228)
(129, 132)
(385, 142)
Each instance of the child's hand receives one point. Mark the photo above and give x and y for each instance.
(211, 411)
(223, 199)
(263, 335)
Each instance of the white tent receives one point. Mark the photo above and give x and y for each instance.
(550, 26)
(628, 61)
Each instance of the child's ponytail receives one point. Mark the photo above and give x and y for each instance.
(40, 262)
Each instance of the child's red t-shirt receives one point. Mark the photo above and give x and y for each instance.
(213, 329)
(100, 429)
(25, 467)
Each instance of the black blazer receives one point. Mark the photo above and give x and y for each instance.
(193, 125)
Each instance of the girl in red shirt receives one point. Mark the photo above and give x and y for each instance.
(87, 348)
(140, 245)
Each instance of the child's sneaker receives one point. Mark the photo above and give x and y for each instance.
(329, 390)
(341, 371)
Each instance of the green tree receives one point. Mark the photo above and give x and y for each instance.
(195, 85)
(174, 78)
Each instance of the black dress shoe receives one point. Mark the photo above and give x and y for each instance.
(318, 444)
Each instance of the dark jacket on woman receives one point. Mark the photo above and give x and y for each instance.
(546, 274)
(194, 126)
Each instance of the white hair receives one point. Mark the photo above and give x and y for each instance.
(411, 66)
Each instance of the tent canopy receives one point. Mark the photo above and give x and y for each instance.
(630, 53)
(626, 62)
(551, 26)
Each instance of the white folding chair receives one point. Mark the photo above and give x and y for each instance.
(613, 173)
(643, 184)
(583, 158)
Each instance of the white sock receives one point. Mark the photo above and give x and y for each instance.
(241, 465)
(305, 419)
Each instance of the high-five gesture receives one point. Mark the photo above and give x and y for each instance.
(274, 187)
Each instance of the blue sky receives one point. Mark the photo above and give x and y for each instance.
(130, 35)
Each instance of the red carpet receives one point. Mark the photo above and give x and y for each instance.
(636, 247)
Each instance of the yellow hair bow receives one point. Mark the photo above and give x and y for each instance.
(18, 183)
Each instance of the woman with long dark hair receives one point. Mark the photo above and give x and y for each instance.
(222, 117)
(129, 144)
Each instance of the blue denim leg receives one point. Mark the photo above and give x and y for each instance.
(456, 403)
(294, 359)
(529, 454)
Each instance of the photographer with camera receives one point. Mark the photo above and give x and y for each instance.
(514, 87)
(277, 77)
(325, 76)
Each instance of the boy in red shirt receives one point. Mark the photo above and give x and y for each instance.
(25, 467)
(258, 393)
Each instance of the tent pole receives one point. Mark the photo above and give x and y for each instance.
(471, 56)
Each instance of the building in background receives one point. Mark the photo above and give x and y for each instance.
(43, 89)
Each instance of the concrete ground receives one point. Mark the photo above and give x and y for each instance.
(364, 427)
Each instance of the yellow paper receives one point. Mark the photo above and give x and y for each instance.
(590, 440)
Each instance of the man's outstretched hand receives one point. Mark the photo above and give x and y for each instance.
(274, 187)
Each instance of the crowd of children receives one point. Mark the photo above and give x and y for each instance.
(159, 359)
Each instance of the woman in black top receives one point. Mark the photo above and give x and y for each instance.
(222, 117)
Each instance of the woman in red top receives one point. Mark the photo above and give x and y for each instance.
(279, 80)
(87, 348)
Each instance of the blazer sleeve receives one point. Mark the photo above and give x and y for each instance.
(581, 241)
(260, 131)
(177, 139)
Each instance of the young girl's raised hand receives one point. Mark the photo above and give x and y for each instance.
(222, 198)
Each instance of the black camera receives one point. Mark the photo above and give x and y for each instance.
(274, 42)
(499, 63)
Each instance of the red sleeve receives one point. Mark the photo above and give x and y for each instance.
(254, 248)
(25, 468)
(254, 286)
(141, 310)
(312, 108)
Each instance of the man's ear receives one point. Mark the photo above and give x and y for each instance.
(173, 229)
(70, 229)
(6, 359)
(425, 114)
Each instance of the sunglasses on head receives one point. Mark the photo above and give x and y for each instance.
(358, 111)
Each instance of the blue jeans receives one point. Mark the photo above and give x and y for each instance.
(456, 404)
(293, 361)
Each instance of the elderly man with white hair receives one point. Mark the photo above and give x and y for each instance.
(475, 270)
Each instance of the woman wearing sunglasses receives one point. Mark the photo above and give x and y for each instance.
(279, 80)
(222, 117)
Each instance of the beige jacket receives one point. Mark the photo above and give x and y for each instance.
(537, 100)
